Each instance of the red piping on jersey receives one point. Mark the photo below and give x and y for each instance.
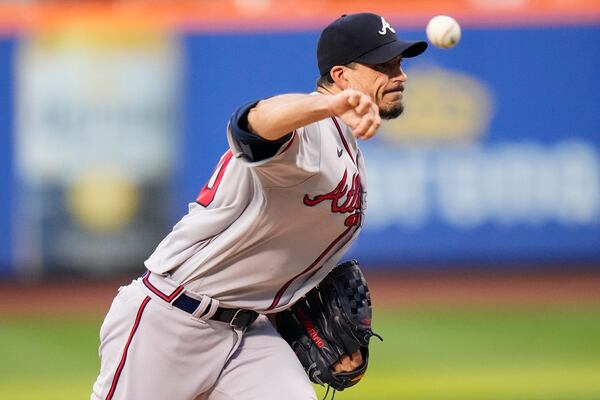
(337, 125)
(287, 285)
(287, 146)
(207, 194)
(136, 324)
(167, 298)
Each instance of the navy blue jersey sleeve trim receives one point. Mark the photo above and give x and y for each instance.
(254, 146)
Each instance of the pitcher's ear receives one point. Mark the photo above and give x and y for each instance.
(339, 76)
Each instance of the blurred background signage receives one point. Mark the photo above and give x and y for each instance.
(95, 140)
(114, 115)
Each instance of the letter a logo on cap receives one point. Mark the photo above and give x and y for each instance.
(385, 26)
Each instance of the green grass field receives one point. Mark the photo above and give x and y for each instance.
(445, 354)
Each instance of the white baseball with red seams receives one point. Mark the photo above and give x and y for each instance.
(443, 31)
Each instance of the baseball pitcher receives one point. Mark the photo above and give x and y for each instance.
(264, 238)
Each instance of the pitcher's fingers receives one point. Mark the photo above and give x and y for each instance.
(342, 365)
(373, 128)
(353, 98)
(356, 359)
(365, 124)
(352, 120)
(364, 105)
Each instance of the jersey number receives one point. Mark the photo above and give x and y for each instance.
(208, 192)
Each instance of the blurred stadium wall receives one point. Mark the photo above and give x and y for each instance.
(113, 115)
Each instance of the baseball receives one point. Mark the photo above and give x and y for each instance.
(443, 31)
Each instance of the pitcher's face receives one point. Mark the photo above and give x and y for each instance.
(383, 82)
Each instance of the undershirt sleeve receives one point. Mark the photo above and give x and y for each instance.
(253, 146)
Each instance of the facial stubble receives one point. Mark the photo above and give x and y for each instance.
(391, 111)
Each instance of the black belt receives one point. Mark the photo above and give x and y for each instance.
(236, 317)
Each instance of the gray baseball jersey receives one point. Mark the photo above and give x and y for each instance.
(262, 234)
(259, 236)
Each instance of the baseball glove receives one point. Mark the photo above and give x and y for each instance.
(332, 320)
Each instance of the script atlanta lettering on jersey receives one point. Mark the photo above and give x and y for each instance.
(342, 200)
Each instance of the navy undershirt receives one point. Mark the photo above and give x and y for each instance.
(254, 146)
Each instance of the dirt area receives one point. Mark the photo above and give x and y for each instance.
(404, 290)
(65, 296)
(477, 289)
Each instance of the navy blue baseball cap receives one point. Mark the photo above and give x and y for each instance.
(366, 38)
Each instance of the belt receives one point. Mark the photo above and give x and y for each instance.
(236, 317)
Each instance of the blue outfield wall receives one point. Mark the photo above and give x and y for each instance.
(496, 159)
(6, 146)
